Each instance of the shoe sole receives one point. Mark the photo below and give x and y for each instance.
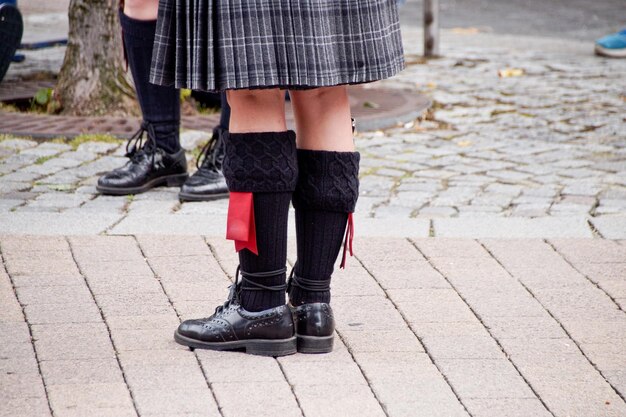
(168, 180)
(611, 53)
(262, 347)
(201, 197)
(315, 344)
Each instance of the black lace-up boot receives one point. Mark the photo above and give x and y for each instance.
(269, 332)
(208, 182)
(149, 166)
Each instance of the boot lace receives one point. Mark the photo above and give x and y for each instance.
(245, 284)
(142, 142)
(209, 154)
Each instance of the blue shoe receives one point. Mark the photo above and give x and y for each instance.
(613, 46)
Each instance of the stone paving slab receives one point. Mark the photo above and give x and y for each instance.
(425, 326)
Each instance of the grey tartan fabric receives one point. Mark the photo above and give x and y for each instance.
(230, 44)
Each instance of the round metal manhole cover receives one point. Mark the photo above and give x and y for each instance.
(373, 108)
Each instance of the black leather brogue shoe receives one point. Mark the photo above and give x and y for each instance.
(148, 167)
(315, 323)
(269, 332)
(208, 182)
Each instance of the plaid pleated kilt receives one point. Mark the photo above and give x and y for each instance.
(231, 44)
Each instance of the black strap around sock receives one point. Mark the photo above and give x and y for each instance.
(255, 286)
(307, 284)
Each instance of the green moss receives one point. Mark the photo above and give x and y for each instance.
(62, 187)
(9, 108)
(43, 159)
(80, 139)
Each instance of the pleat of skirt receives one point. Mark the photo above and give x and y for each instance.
(214, 45)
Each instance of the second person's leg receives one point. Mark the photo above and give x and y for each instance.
(160, 160)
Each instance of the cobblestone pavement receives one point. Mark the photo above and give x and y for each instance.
(448, 328)
(540, 155)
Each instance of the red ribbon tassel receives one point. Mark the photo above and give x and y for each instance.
(347, 244)
(240, 225)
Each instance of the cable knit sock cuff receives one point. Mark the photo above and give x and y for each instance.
(261, 162)
(328, 181)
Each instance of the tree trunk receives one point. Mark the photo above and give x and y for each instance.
(93, 79)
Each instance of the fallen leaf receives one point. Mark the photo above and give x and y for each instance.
(466, 31)
(510, 72)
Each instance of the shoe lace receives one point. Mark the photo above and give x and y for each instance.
(209, 154)
(138, 145)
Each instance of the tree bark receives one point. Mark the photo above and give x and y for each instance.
(93, 79)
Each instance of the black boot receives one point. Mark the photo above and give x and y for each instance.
(269, 332)
(208, 182)
(149, 166)
(261, 171)
(325, 197)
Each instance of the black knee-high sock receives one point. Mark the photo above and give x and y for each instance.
(159, 105)
(327, 191)
(264, 164)
(271, 212)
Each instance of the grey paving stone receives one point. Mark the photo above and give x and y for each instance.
(85, 397)
(147, 339)
(17, 144)
(24, 406)
(10, 187)
(611, 227)
(56, 223)
(462, 347)
(72, 341)
(177, 225)
(20, 176)
(496, 227)
(408, 377)
(165, 377)
(70, 294)
(8, 204)
(41, 152)
(85, 371)
(484, 378)
(171, 402)
(338, 400)
(368, 313)
(126, 304)
(62, 313)
(97, 147)
(360, 341)
(21, 386)
(271, 399)
(514, 407)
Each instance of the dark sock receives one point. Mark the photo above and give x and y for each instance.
(327, 190)
(264, 164)
(225, 112)
(320, 235)
(271, 212)
(159, 105)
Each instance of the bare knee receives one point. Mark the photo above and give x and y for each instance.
(322, 96)
(260, 97)
(141, 9)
